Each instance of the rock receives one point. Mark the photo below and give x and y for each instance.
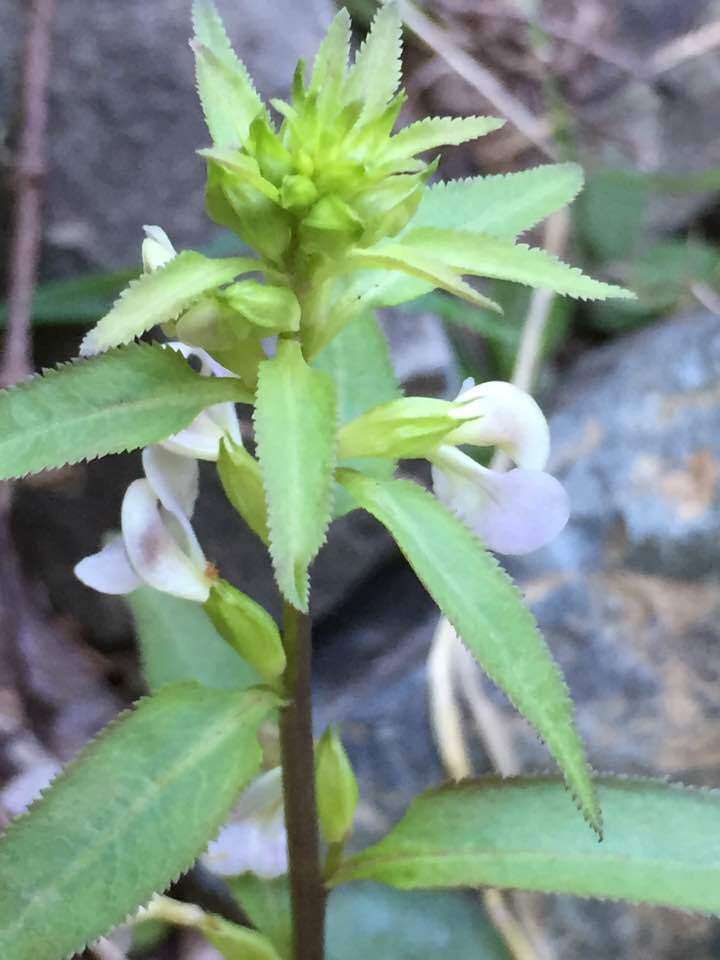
(125, 119)
(628, 598)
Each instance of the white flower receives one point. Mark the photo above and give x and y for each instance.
(202, 438)
(514, 512)
(255, 839)
(157, 544)
(157, 249)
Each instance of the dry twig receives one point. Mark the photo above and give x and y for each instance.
(536, 130)
(29, 173)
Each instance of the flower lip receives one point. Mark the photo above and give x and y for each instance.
(512, 513)
(503, 416)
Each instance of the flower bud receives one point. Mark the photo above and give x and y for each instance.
(336, 786)
(275, 309)
(298, 193)
(157, 249)
(408, 427)
(247, 627)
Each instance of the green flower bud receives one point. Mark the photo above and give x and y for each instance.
(274, 309)
(274, 160)
(331, 226)
(408, 427)
(247, 627)
(231, 339)
(336, 787)
(298, 193)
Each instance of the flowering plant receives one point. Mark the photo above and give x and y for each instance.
(341, 218)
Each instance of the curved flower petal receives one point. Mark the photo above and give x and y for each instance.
(507, 417)
(512, 513)
(154, 553)
(202, 438)
(108, 570)
(250, 846)
(175, 479)
(157, 249)
(255, 839)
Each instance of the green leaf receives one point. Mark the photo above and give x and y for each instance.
(375, 75)
(502, 206)
(78, 300)
(295, 426)
(97, 844)
(229, 99)
(235, 942)
(178, 642)
(487, 610)
(433, 132)
(368, 920)
(661, 846)
(358, 360)
(330, 64)
(485, 256)
(267, 905)
(241, 477)
(125, 399)
(161, 296)
(610, 214)
(420, 265)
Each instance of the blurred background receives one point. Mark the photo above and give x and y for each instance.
(628, 596)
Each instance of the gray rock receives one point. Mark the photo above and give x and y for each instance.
(628, 598)
(125, 119)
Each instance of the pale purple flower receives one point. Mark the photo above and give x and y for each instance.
(513, 512)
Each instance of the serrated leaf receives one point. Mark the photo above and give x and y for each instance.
(358, 360)
(124, 399)
(331, 63)
(295, 428)
(421, 265)
(434, 132)
(375, 75)
(178, 642)
(661, 846)
(229, 99)
(486, 256)
(126, 818)
(161, 296)
(503, 205)
(487, 610)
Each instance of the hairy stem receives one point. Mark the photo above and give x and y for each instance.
(298, 762)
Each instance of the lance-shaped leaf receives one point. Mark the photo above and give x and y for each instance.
(229, 99)
(487, 610)
(419, 263)
(358, 360)
(330, 64)
(125, 399)
(433, 132)
(295, 426)
(485, 256)
(126, 818)
(178, 642)
(375, 75)
(161, 296)
(661, 846)
(502, 206)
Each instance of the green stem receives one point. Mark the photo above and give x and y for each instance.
(298, 761)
